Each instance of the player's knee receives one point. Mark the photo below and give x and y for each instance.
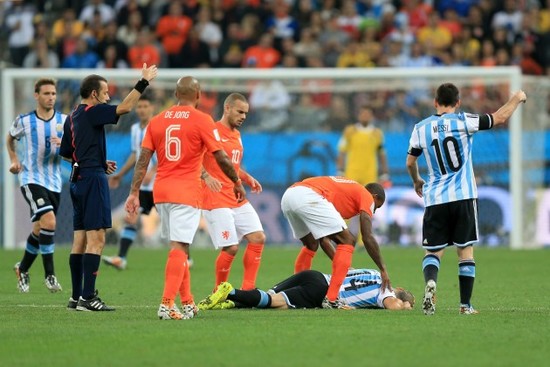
(231, 250)
(47, 220)
(256, 237)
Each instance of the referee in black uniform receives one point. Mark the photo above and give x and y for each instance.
(83, 144)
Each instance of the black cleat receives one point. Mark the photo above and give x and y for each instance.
(93, 304)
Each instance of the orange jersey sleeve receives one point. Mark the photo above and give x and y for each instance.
(179, 136)
(348, 197)
(233, 146)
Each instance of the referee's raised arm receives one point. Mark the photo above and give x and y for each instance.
(147, 74)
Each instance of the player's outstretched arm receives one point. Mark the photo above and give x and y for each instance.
(504, 112)
(147, 74)
(371, 245)
(393, 303)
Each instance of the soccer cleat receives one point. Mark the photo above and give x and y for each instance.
(52, 284)
(23, 279)
(115, 261)
(338, 303)
(218, 296)
(93, 304)
(428, 304)
(71, 306)
(225, 305)
(468, 310)
(189, 310)
(170, 313)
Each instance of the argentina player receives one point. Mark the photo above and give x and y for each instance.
(40, 177)
(450, 194)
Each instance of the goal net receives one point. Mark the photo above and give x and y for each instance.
(292, 131)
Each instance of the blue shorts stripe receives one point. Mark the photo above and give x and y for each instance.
(129, 233)
(263, 300)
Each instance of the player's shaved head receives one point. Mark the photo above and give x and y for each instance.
(188, 90)
(378, 192)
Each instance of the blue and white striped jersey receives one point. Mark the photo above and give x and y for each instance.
(137, 134)
(446, 142)
(41, 160)
(361, 289)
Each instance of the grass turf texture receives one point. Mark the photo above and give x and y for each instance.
(512, 292)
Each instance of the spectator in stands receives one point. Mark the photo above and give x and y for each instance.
(209, 33)
(67, 25)
(172, 30)
(110, 59)
(19, 22)
(417, 12)
(41, 56)
(144, 51)
(231, 49)
(94, 30)
(434, 35)
(262, 55)
(105, 11)
(110, 39)
(338, 113)
(305, 115)
(307, 45)
(82, 58)
(128, 32)
(332, 40)
(128, 8)
(194, 53)
(269, 103)
(354, 56)
(281, 24)
(349, 20)
(478, 23)
(509, 18)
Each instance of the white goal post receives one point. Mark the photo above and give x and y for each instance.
(236, 80)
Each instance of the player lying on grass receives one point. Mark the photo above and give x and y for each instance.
(307, 289)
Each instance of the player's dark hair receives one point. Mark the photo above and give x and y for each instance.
(376, 189)
(43, 81)
(234, 97)
(447, 95)
(404, 295)
(146, 97)
(91, 83)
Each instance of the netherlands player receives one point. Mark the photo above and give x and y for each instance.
(179, 136)
(361, 288)
(317, 208)
(40, 179)
(227, 219)
(450, 194)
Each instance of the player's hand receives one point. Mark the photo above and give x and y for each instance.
(55, 141)
(255, 185)
(385, 181)
(418, 185)
(240, 194)
(111, 167)
(149, 73)
(114, 181)
(213, 184)
(385, 281)
(132, 204)
(15, 167)
(521, 96)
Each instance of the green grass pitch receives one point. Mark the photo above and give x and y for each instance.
(512, 292)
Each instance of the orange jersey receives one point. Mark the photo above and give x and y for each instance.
(179, 136)
(233, 146)
(348, 197)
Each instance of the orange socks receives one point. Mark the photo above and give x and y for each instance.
(340, 265)
(223, 267)
(173, 275)
(251, 261)
(185, 288)
(304, 260)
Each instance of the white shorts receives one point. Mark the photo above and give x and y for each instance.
(227, 226)
(178, 222)
(309, 212)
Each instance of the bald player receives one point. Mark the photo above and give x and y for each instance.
(179, 136)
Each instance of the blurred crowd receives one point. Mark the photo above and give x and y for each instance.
(279, 34)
